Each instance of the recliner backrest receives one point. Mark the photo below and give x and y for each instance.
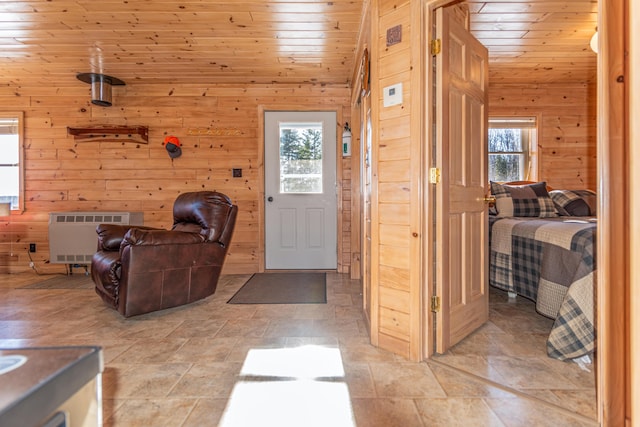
(204, 212)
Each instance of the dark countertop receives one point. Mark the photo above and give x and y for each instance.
(48, 377)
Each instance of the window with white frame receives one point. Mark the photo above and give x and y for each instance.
(11, 160)
(512, 149)
(301, 157)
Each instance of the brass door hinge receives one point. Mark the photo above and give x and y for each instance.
(434, 175)
(435, 304)
(436, 46)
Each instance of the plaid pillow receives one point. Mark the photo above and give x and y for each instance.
(523, 200)
(574, 202)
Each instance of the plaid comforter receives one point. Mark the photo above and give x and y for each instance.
(552, 262)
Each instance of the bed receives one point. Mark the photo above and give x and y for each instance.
(542, 247)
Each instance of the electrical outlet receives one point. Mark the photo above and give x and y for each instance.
(32, 247)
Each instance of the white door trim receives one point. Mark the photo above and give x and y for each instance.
(316, 258)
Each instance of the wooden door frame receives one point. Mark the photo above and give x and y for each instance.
(357, 159)
(429, 274)
(261, 169)
(614, 292)
(616, 345)
(632, 368)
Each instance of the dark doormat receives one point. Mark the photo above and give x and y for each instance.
(283, 288)
(79, 281)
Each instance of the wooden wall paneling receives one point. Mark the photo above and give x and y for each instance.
(394, 213)
(395, 299)
(393, 256)
(395, 324)
(396, 160)
(394, 277)
(217, 132)
(395, 192)
(387, 341)
(566, 128)
(393, 61)
(396, 235)
(551, 95)
(387, 6)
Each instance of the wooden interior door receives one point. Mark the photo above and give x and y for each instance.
(461, 215)
(366, 208)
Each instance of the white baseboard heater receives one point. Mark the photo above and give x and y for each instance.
(72, 235)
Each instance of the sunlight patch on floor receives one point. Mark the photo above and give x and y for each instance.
(305, 362)
(288, 403)
(290, 387)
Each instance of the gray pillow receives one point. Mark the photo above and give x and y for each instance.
(575, 202)
(531, 200)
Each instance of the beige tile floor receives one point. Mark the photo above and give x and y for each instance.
(216, 364)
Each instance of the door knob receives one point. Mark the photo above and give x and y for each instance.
(490, 199)
(269, 199)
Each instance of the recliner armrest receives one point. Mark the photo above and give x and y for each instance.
(154, 237)
(227, 232)
(110, 236)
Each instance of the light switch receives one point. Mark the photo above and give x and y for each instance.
(392, 95)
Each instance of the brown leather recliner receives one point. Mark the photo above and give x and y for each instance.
(138, 269)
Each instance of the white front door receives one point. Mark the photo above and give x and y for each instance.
(300, 190)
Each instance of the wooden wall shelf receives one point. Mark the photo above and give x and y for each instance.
(139, 134)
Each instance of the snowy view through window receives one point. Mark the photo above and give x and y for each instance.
(506, 155)
(301, 158)
(9, 170)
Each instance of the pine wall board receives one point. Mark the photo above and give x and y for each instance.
(566, 128)
(395, 202)
(566, 155)
(219, 128)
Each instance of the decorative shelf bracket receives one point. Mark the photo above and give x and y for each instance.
(139, 134)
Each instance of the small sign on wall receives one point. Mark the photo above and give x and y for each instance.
(394, 35)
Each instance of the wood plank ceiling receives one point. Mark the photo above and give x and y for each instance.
(287, 41)
(541, 41)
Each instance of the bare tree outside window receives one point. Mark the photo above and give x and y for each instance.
(301, 158)
(505, 158)
(510, 149)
